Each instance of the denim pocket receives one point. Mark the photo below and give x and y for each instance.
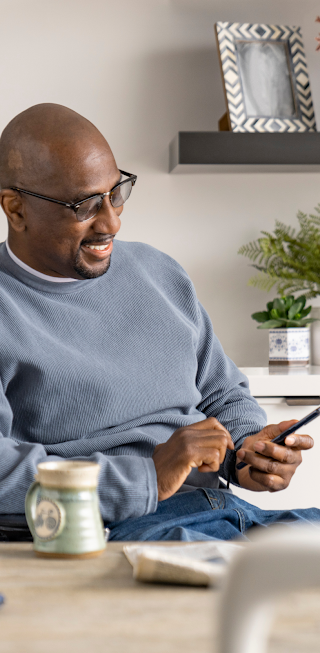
(216, 498)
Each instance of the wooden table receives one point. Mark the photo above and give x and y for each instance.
(95, 606)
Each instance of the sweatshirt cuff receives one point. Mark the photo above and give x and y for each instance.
(152, 486)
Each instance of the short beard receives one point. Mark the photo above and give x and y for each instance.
(87, 274)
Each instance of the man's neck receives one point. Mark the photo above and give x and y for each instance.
(26, 267)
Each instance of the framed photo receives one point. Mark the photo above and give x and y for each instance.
(265, 77)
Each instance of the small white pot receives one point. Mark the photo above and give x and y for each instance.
(289, 346)
(315, 336)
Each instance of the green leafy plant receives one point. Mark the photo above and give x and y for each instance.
(287, 258)
(284, 312)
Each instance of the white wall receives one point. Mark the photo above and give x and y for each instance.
(142, 70)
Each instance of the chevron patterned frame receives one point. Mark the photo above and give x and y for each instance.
(227, 36)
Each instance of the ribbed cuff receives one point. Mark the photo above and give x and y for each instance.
(152, 486)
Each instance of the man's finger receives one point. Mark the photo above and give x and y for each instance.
(212, 431)
(273, 430)
(287, 455)
(269, 465)
(208, 424)
(209, 453)
(205, 446)
(299, 442)
(271, 482)
(215, 434)
(205, 468)
(210, 460)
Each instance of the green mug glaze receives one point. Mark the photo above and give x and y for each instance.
(62, 510)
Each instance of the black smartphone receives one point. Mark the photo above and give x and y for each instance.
(292, 429)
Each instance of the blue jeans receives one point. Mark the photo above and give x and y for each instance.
(204, 514)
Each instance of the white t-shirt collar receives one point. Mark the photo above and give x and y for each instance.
(26, 267)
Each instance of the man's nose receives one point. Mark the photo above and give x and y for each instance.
(108, 220)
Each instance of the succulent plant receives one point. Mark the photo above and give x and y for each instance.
(284, 312)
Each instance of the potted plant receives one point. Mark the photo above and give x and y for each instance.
(290, 260)
(288, 324)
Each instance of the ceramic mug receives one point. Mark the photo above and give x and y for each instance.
(62, 510)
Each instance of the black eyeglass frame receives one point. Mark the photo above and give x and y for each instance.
(76, 205)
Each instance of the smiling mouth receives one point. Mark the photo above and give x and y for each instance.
(98, 250)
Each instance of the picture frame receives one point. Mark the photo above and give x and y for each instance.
(265, 77)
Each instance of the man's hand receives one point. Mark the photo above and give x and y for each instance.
(271, 465)
(202, 445)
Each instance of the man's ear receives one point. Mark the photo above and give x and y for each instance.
(12, 205)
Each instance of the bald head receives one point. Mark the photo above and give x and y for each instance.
(54, 152)
(42, 143)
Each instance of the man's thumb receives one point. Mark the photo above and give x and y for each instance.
(273, 430)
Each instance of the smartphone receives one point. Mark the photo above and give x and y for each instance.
(292, 429)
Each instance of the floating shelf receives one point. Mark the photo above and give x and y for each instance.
(192, 152)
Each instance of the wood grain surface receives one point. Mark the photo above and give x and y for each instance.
(95, 606)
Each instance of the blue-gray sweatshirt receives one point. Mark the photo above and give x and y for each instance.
(104, 369)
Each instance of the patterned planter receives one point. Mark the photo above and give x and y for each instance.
(289, 346)
(315, 336)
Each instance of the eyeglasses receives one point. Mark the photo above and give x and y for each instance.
(90, 206)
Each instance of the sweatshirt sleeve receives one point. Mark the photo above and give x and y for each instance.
(225, 391)
(127, 484)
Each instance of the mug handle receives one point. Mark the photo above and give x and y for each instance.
(30, 505)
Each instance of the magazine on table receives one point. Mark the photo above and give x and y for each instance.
(197, 563)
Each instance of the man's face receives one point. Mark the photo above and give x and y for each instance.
(53, 241)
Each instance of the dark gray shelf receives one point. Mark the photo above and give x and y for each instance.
(192, 152)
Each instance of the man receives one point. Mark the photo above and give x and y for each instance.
(116, 362)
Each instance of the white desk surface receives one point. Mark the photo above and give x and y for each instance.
(283, 381)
